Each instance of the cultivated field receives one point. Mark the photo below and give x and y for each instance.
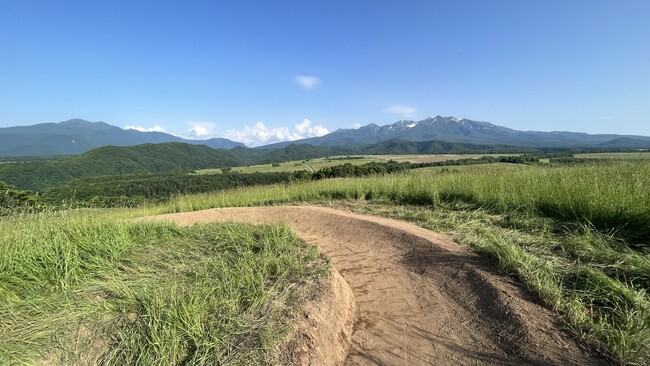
(640, 155)
(426, 158)
(313, 165)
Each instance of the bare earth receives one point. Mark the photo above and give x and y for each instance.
(422, 299)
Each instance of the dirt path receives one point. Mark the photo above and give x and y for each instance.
(422, 299)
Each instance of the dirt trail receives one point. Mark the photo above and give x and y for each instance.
(422, 298)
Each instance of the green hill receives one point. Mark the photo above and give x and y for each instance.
(113, 160)
(437, 147)
(391, 147)
(41, 175)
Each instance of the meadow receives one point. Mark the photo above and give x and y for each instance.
(636, 155)
(88, 287)
(310, 165)
(576, 236)
(316, 164)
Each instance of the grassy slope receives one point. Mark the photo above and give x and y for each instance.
(576, 236)
(612, 197)
(83, 287)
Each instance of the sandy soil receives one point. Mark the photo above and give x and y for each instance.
(422, 298)
(324, 327)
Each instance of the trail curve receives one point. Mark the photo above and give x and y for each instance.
(422, 298)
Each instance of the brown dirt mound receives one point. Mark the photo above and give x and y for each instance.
(324, 329)
(422, 298)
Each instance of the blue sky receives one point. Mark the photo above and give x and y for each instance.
(259, 71)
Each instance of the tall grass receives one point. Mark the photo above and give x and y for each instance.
(50, 252)
(86, 287)
(576, 236)
(610, 197)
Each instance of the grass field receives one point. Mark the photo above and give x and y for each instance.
(313, 165)
(428, 158)
(292, 166)
(576, 236)
(86, 287)
(475, 169)
(640, 155)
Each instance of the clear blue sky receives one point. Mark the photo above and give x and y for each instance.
(214, 67)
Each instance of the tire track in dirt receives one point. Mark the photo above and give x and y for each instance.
(422, 298)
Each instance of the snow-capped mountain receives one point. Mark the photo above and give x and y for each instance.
(452, 129)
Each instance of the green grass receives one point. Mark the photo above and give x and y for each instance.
(638, 155)
(577, 236)
(292, 166)
(436, 157)
(473, 168)
(611, 197)
(319, 163)
(85, 287)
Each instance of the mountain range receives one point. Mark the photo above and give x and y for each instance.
(452, 129)
(77, 136)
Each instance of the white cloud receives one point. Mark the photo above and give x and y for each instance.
(155, 128)
(307, 81)
(259, 134)
(356, 125)
(403, 110)
(200, 130)
(305, 129)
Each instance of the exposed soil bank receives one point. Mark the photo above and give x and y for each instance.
(325, 326)
(422, 298)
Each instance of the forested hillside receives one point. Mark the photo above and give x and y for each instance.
(306, 151)
(112, 160)
(133, 189)
(40, 175)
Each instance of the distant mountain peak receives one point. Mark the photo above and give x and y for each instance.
(82, 123)
(77, 121)
(52, 138)
(463, 130)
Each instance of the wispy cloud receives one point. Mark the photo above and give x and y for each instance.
(400, 109)
(200, 129)
(609, 118)
(155, 128)
(307, 81)
(259, 134)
